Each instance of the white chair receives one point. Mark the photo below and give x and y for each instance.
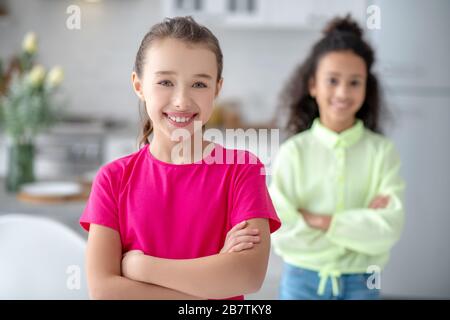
(40, 259)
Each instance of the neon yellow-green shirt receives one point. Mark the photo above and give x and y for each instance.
(337, 174)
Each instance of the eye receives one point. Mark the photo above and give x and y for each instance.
(166, 83)
(332, 81)
(199, 85)
(355, 83)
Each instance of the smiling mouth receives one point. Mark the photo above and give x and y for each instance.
(341, 105)
(180, 119)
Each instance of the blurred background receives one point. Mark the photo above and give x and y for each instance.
(95, 43)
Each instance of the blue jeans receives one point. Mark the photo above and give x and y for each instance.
(302, 284)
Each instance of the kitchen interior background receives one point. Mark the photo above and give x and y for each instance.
(262, 42)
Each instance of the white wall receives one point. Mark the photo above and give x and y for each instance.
(413, 49)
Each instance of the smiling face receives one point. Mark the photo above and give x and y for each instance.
(179, 85)
(339, 86)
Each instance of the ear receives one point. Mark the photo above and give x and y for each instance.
(137, 85)
(218, 87)
(312, 87)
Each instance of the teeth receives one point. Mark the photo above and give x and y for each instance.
(179, 119)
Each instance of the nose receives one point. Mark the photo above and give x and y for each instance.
(342, 92)
(181, 99)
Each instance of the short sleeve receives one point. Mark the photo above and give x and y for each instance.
(101, 207)
(251, 198)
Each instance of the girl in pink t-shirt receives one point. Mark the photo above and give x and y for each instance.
(176, 219)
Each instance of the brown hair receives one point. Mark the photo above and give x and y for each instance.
(180, 28)
(339, 35)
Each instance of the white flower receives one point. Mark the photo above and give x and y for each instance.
(36, 75)
(29, 43)
(55, 77)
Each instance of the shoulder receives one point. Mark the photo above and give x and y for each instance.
(240, 161)
(116, 170)
(382, 149)
(235, 157)
(294, 148)
(298, 142)
(378, 142)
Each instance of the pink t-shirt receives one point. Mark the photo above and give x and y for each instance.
(179, 211)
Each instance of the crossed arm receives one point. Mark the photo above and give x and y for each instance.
(105, 281)
(218, 276)
(323, 222)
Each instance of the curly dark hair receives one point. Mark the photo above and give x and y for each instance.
(341, 34)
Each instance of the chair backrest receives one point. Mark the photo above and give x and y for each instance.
(40, 259)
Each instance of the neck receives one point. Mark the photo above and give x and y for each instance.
(338, 127)
(178, 152)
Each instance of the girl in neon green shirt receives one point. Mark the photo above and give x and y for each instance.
(335, 183)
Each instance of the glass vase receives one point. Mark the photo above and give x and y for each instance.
(20, 168)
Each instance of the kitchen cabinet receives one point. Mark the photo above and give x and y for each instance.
(282, 14)
(66, 150)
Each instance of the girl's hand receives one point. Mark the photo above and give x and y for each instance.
(239, 239)
(129, 263)
(379, 202)
(316, 221)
